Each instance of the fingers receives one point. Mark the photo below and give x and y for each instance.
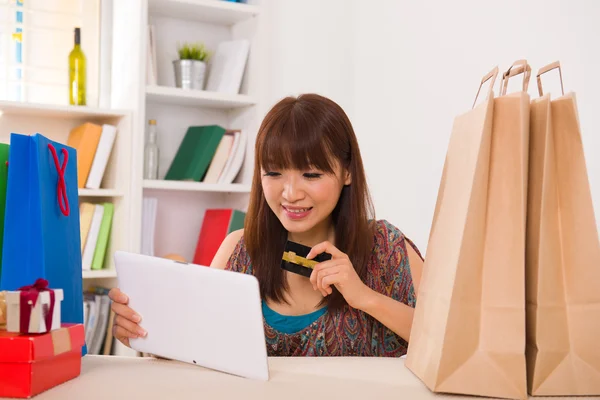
(322, 270)
(122, 335)
(326, 247)
(315, 274)
(130, 326)
(323, 284)
(126, 324)
(123, 330)
(126, 312)
(117, 296)
(332, 279)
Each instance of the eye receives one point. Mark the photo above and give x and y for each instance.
(312, 175)
(270, 173)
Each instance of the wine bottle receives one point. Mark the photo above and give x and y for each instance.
(151, 152)
(77, 75)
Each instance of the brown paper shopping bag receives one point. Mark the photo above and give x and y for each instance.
(468, 334)
(563, 255)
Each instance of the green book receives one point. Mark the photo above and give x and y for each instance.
(103, 236)
(3, 179)
(195, 153)
(237, 221)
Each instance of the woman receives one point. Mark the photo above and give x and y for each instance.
(309, 187)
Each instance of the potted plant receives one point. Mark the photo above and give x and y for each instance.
(190, 68)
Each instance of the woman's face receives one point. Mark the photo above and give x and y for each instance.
(302, 200)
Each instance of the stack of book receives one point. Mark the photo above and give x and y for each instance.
(217, 224)
(209, 154)
(95, 224)
(98, 321)
(94, 144)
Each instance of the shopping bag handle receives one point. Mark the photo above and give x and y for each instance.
(548, 68)
(518, 67)
(61, 187)
(490, 75)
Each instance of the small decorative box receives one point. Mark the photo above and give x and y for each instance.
(33, 309)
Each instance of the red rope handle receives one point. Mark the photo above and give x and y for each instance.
(61, 187)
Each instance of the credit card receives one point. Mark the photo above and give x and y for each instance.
(294, 259)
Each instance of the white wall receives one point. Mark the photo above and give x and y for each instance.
(311, 49)
(412, 66)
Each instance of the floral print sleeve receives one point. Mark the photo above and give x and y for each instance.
(239, 261)
(394, 263)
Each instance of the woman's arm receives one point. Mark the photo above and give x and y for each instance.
(339, 272)
(393, 314)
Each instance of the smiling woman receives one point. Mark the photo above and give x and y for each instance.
(309, 187)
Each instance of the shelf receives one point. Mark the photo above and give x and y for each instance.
(210, 11)
(100, 193)
(184, 97)
(56, 111)
(100, 273)
(196, 186)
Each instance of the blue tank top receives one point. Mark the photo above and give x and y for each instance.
(290, 323)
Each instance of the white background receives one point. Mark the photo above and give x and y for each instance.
(403, 69)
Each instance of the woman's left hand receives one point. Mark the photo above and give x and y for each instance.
(339, 272)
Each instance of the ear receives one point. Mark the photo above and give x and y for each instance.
(347, 177)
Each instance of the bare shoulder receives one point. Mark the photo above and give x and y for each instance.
(226, 249)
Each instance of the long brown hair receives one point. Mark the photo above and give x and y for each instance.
(300, 133)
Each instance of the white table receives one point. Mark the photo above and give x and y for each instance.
(112, 377)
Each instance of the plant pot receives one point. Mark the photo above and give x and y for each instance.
(189, 74)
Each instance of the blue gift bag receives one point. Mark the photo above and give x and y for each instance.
(41, 226)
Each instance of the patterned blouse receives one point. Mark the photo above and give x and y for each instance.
(348, 331)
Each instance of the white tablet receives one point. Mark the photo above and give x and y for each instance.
(196, 314)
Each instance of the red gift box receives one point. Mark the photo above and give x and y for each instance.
(33, 363)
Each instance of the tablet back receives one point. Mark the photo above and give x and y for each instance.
(196, 314)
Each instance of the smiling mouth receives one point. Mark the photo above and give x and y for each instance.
(297, 210)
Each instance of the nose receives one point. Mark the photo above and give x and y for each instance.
(292, 190)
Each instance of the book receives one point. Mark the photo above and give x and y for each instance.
(195, 153)
(105, 145)
(227, 66)
(217, 224)
(220, 158)
(92, 238)
(86, 213)
(84, 139)
(103, 236)
(236, 158)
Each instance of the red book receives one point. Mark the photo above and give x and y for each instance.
(33, 363)
(217, 224)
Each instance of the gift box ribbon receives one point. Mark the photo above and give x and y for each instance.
(29, 296)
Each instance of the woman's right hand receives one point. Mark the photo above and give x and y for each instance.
(126, 320)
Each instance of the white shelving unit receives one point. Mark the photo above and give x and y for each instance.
(181, 204)
(55, 122)
(210, 11)
(196, 186)
(197, 98)
(100, 274)
(85, 193)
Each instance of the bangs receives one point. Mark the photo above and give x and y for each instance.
(294, 142)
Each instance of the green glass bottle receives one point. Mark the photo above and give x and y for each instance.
(77, 76)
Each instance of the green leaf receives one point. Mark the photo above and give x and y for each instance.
(193, 51)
